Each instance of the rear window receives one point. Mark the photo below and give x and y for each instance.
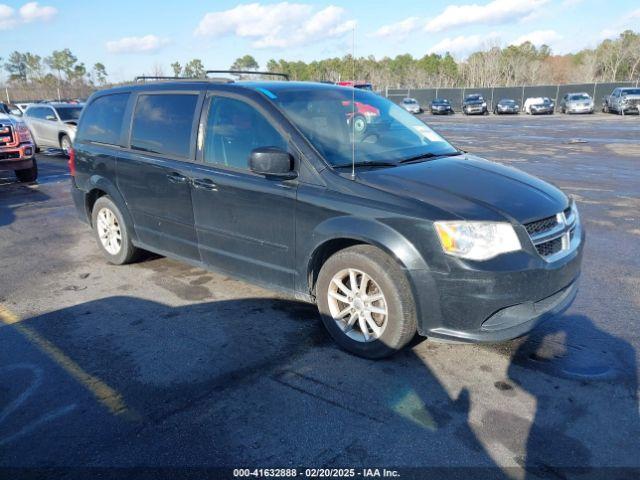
(102, 121)
(162, 123)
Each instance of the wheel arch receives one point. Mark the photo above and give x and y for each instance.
(99, 186)
(342, 232)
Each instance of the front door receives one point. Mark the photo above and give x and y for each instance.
(154, 175)
(245, 222)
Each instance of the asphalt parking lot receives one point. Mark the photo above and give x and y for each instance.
(158, 364)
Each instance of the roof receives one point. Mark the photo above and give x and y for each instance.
(261, 86)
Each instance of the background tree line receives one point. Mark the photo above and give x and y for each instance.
(61, 75)
(57, 76)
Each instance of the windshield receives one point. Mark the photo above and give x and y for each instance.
(579, 96)
(409, 101)
(379, 130)
(631, 91)
(69, 113)
(507, 102)
(474, 97)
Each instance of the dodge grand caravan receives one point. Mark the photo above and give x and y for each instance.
(390, 230)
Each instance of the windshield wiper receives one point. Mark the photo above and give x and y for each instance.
(428, 156)
(367, 163)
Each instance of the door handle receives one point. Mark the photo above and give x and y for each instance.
(205, 184)
(176, 177)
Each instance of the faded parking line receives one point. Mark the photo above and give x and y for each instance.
(106, 395)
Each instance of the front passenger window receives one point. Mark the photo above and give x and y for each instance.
(234, 129)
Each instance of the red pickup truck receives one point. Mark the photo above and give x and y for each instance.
(17, 151)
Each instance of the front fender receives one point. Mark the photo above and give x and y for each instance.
(372, 232)
(383, 236)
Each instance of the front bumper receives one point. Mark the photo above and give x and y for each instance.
(540, 110)
(580, 109)
(495, 302)
(471, 109)
(440, 110)
(16, 158)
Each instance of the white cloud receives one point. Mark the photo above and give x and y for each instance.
(33, 11)
(7, 17)
(398, 30)
(495, 12)
(538, 37)
(277, 25)
(29, 12)
(625, 22)
(462, 44)
(146, 44)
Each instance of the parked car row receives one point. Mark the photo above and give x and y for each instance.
(622, 101)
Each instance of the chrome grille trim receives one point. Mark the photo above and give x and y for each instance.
(567, 224)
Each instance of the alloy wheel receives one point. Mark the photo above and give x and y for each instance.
(357, 304)
(109, 231)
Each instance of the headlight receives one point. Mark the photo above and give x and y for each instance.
(484, 104)
(477, 240)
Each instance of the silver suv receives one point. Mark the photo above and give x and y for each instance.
(53, 125)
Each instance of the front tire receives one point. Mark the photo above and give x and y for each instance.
(112, 233)
(65, 144)
(28, 174)
(366, 302)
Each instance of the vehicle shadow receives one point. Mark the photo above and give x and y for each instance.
(12, 195)
(585, 384)
(242, 382)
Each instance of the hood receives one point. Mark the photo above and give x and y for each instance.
(474, 102)
(631, 97)
(471, 188)
(4, 118)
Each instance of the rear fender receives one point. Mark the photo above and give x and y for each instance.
(104, 184)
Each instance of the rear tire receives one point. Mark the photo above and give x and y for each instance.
(28, 174)
(386, 333)
(112, 233)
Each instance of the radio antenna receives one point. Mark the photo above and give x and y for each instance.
(353, 105)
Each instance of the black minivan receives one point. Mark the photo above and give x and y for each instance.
(389, 229)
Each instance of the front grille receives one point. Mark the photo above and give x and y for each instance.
(9, 155)
(6, 135)
(553, 235)
(541, 226)
(549, 248)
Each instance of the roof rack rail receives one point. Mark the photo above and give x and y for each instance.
(250, 72)
(144, 78)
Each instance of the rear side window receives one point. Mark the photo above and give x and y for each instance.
(162, 123)
(102, 120)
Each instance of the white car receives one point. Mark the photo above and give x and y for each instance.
(411, 105)
(538, 105)
(53, 125)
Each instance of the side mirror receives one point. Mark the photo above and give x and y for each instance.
(272, 161)
(50, 118)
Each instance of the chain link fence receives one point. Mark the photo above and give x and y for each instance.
(424, 96)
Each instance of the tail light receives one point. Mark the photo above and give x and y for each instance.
(24, 135)
(72, 162)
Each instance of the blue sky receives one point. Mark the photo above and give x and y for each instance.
(133, 37)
